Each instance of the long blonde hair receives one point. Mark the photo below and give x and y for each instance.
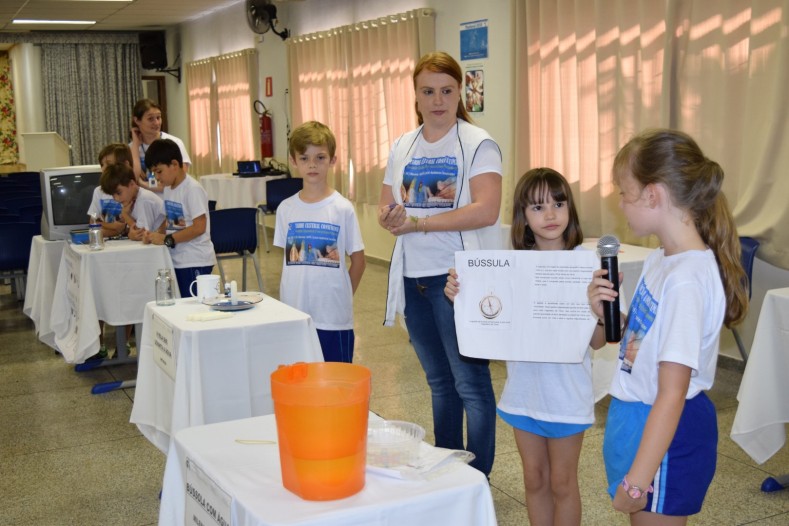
(674, 159)
(441, 62)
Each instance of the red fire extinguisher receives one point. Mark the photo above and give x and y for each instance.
(266, 132)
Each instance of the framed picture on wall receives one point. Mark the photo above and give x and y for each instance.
(474, 90)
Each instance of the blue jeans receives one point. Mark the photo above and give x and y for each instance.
(456, 383)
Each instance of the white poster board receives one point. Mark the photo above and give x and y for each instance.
(524, 305)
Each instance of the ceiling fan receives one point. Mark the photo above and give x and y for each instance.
(262, 16)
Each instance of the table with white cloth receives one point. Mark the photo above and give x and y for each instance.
(231, 191)
(220, 368)
(246, 480)
(42, 274)
(112, 285)
(760, 422)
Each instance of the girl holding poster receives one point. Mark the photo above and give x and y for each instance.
(549, 405)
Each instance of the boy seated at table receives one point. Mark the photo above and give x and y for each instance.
(103, 207)
(188, 229)
(317, 227)
(142, 209)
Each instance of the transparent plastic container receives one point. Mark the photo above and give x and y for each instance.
(165, 294)
(321, 411)
(393, 443)
(95, 237)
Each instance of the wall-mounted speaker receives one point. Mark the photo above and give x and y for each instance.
(153, 51)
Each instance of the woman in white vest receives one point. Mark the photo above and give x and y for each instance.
(458, 167)
(146, 127)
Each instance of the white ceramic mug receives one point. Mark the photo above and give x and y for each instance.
(207, 286)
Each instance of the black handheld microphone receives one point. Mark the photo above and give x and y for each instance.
(608, 248)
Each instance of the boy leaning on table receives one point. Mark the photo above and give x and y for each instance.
(142, 209)
(316, 228)
(103, 207)
(188, 230)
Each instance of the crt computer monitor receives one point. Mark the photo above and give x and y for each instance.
(66, 194)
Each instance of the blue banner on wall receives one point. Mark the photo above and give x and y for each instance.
(474, 40)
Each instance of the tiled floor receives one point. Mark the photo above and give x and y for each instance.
(71, 458)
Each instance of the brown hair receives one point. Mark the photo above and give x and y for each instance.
(115, 175)
(119, 151)
(673, 158)
(311, 133)
(441, 62)
(141, 107)
(533, 189)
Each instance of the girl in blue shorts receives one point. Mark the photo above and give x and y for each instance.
(549, 405)
(661, 436)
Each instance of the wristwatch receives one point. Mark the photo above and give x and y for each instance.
(633, 491)
(169, 241)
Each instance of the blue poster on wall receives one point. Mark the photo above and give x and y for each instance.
(474, 40)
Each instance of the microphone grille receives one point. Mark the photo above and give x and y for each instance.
(608, 246)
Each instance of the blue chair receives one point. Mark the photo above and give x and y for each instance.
(234, 235)
(16, 239)
(277, 190)
(27, 179)
(749, 246)
(14, 204)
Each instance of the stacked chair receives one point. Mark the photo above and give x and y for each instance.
(20, 220)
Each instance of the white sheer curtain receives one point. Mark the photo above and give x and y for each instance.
(202, 118)
(221, 117)
(236, 81)
(357, 80)
(593, 73)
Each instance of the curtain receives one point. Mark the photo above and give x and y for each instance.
(357, 80)
(89, 91)
(235, 76)
(594, 73)
(222, 122)
(9, 149)
(202, 117)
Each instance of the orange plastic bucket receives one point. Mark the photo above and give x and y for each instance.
(321, 411)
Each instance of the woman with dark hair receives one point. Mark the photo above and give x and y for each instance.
(146, 127)
(458, 167)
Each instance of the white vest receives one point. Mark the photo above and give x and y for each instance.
(470, 137)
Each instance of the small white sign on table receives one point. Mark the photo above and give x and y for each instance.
(206, 502)
(163, 346)
(524, 305)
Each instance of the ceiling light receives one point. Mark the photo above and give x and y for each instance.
(59, 22)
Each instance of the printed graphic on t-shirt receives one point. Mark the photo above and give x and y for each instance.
(175, 215)
(429, 182)
(639, 321)
(312, 244)
(110, 210)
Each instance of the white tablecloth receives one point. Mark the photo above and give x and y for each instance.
(42, 274)
(236, 192)
(112, 285)
(250, 475)
(763, 411)
(222, 366)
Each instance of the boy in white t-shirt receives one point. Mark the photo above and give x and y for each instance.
(103, 207)
(142, 209)
(316, 228)
(188, 228)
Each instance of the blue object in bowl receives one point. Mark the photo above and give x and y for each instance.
(79, 236)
